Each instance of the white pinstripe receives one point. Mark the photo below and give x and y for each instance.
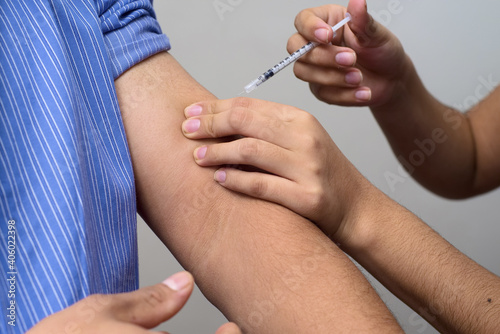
(55, 207)
(65, 170)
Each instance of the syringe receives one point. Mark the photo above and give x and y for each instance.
(291, 58)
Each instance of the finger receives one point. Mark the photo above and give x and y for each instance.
(122, 328)
(268, 187)
(239, 121)
(325, 55)
(328, 77)
(249, 151)
(229, 328)
(148, 307)
(242, 116)
(359, 96)
(219, 106)
(368, 32)
(110, 327)
(315, 23)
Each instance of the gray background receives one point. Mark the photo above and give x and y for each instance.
(454, 45)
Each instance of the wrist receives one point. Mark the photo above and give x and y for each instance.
(359, 233)
(405, 85)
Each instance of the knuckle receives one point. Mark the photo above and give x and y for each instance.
(209, 126)
(154, 296)
(323, 93)
(248, 148)
(214, 155)
(150, 300)
(291, 43)
(307, 117)
(242, 102)
(300, 18)
(275, 124)
(316, 169)
(315, 199)
(211, 106)
(239, 118)
(332, 8)
(315, 89)
(300, 71)
(311, 144)
(258, 188)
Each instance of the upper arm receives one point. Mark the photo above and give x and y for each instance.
(170, 188)
(265, 267)
(485, 125)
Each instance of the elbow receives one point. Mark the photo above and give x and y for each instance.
(458, 190)
(452, 187)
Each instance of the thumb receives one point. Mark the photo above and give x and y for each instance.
(314, 24)
(229, 328)
(368, 32)
(150, 306)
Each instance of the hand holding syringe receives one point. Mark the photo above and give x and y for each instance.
(290, 59)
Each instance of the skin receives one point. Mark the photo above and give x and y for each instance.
(297, 156)
(305, 171)
(462, 154)
(164, 194)
(128, 313)
(266, 268)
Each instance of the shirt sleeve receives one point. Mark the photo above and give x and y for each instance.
(131, 32)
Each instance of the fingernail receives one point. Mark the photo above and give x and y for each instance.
(191, 125)
(353, 78)
(345, 58)
(178, 281)
(322, 34)
(220, 176)
(363, 94)
(201, 152)
(193, 110)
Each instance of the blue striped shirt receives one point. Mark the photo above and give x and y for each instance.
(67, 196)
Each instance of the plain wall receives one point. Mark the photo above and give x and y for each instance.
(224, 44)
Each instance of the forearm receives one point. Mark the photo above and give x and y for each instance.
(452, 292)
(432, 141)
(266, 268)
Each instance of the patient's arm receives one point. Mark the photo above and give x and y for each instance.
(266, 268)
(304, 165)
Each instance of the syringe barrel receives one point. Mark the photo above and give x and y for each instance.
(293, 57)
